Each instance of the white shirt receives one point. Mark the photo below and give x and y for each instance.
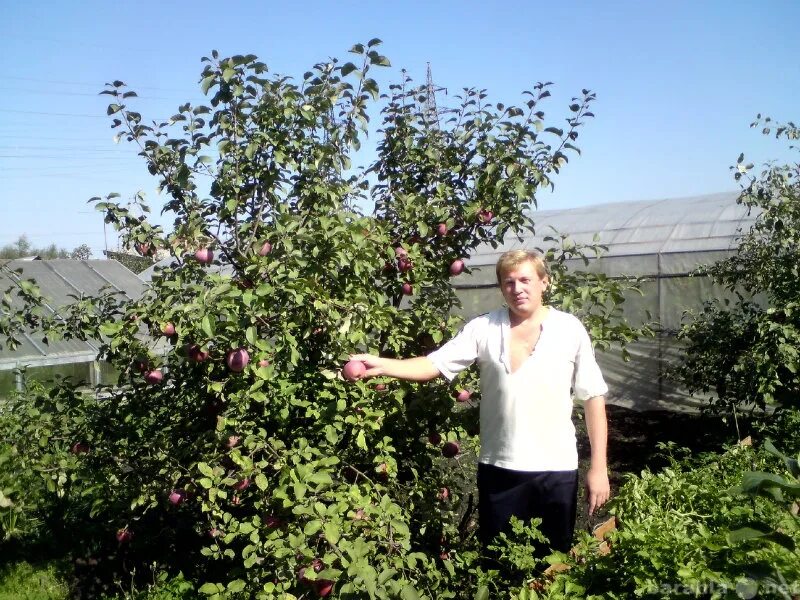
(526, 416)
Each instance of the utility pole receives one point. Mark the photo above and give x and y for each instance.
(431, 111)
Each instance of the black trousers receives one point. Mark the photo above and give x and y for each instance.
(549, 495)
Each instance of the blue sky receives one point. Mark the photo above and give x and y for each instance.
(677, 83)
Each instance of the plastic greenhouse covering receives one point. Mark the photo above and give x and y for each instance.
(61, 280)
(660, 240)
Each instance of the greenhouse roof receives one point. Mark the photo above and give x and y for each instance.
(60, 281)
(695, 224)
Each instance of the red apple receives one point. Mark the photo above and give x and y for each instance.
(443, 494)
(434, 438)
(124, 535)
(242, 485)
(236, 501)
(354, 370)
(451, 449)
(383, 472)
(143, 249)
(233, 441)
(263, 362)
(404, 265)
(323, 587)
(485, 216)
(204, 256)
(273, 522)
(463, 395)
(196, 354)
(400, 252)
(441, 229)
(408, 289)
(79, 448)
(380, 387)
(175, 497)
(237, 359)
(456, 267)
(168, 329)
(316, 564)
(266, 248)
(154, 377)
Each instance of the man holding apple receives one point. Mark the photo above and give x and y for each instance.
(533, 360)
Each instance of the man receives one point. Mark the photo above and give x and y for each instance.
(533, 359)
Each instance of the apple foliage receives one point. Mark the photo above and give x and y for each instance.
(746, 351)
(231, 448)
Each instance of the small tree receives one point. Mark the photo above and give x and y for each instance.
(231, 448)
(747, 352)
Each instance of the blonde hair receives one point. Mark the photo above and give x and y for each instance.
(513, 258)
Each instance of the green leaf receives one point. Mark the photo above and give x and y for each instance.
(228, 74)
(332, 532)
(237, 585)
(312, 527)
(483, 593)
(262, 482)
(206, 83)
(210, 588)
(761, 531)
(348, 68)
(386, 575)
(409, 593)
(207, 325)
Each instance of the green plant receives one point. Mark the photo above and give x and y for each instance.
(674, 538)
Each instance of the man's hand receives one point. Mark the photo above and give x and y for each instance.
(375, 364)
(598, 490)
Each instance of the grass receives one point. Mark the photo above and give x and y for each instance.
(25, 581)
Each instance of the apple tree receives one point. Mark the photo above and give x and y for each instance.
(232, 448)
(745, 352)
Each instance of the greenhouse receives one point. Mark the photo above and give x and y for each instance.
(61, 281)
(661, 241)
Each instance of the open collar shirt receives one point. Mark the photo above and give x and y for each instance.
(526, 416)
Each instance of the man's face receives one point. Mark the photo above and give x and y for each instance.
(522, 289)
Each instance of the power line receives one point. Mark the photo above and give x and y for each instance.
(62, 93)
(79, 148)
(36, 112)
(62, 158)
(93, 85)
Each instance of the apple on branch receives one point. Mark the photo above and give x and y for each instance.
(237, 359)
(205, 256)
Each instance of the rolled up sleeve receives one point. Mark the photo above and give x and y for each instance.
(457, 354)
(588, 380)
